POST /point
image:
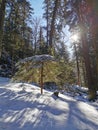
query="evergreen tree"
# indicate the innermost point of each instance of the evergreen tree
(18, 34)
(54, 16)
(79, 16)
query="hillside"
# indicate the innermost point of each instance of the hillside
(22, 107)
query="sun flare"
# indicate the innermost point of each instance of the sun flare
(75, 38)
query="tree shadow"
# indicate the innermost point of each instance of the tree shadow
(25, 110)
(28, 111)
(76, 118)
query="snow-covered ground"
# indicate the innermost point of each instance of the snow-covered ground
(22, 107)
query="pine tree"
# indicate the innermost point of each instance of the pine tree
(18, 34)
(54, 20)
(81, 18)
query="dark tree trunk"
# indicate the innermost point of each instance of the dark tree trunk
(41, 78)
(77, 63)
(52, 28)
(84, 73)
(2, 15)
(85, 50)
(47, 24)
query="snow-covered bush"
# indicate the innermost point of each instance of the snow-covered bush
(29, 69)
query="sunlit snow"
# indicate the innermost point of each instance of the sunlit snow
(22, 107)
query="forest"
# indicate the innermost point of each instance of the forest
(23, 36)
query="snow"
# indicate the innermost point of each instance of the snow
(22, 107)
(38, 58)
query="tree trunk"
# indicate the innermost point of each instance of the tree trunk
(77, 63)
(2, 15)
(84, 73)
(85, 50)
(47, 24)
(41, 78)
(52, 28)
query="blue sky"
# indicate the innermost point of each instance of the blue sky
(37, 5)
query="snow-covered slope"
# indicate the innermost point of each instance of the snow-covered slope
(22, 107)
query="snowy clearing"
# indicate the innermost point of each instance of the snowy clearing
(22, 107)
